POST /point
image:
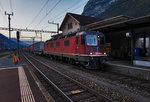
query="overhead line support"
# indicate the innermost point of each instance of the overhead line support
(55, 24)
(27, 30)
(9, 27)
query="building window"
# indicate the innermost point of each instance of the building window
(69, 25)
(51, 44)
(57, 43)
(66, 43)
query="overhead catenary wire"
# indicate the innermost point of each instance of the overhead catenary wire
(48, 13)
(46, 27)
(2, 12)
(10, 3)
(60, 15)
(76, 3)
(2, 7)
(38, 13)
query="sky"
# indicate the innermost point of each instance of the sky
(34, 14)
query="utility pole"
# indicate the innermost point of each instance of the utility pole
(55, 24)
(9, 27)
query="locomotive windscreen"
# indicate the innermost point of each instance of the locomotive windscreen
(91, 40)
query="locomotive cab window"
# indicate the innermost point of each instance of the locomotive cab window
(77, 40)
(91, 40)
(51, 44)
(66, 43)
(82, 39)
(57, 43)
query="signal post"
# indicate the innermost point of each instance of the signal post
(18, 37)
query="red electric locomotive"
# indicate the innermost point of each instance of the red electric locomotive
(86, 48)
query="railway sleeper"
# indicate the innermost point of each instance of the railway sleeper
(90, 99)
(67, 89)
(81, 96)
(66, 85)
(67, 82)
(60, 81)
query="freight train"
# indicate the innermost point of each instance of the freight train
(86, 48)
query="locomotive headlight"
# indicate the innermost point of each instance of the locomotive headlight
(104, 53)
(91, 53)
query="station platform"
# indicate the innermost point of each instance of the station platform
(18, 84)
(126, 68)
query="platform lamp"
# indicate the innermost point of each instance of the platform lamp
(130, 35)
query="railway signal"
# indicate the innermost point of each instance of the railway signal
(18, 35)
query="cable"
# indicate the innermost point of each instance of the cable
(45, 27)
(2, 12)
(59, 17)
(48, 13)
(38, 13)
(10, 3)
(66, 9)
(62, 14)
(2, 6)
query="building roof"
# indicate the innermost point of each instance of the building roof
(134, 23)
(82, 20)
(112, 20)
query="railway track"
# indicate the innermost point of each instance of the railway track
(138, 85)
(4, 54)
(69, 89)
(122, 79)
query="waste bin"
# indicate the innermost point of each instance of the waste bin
(136, 53)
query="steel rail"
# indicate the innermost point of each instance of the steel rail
(49, 81)
(99, 96)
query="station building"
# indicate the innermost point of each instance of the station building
(74, 22)
(127, 38)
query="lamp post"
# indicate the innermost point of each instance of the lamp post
(131, 36)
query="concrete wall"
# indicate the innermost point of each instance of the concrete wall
(75, 26)
(137, 72)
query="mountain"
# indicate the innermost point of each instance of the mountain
(4, 42)
(20, 42)
(110, 8)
